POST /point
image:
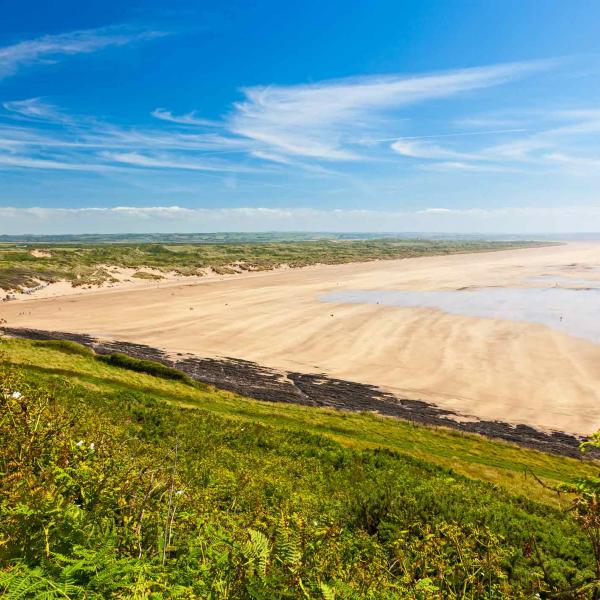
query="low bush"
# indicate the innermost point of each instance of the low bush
(118, 359)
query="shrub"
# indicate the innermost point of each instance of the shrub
(117, 359)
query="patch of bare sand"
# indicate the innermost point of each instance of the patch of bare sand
(494, 369)
(41, 253)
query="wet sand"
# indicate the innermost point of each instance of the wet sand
(491, 368)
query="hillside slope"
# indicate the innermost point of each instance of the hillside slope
(120, 483)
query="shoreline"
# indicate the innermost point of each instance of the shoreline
(168, 279)
(492, 368)
(251, 380)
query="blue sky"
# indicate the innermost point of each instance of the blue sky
(362, 116)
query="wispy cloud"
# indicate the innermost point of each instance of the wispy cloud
(454, 134)
(324, 120)
(438, 158)
(558, 140)
(573, 131)
(578, 164)
(419, 149)
(51, 48)
(466, 167)
(296, 128)
(185, 119)
(292, 162)
(105, 134)
(48, 138)
(35, 108)
(14, 161)
(491, 122)
(271, 157)
(170, 162)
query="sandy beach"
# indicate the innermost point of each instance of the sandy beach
(493, 368)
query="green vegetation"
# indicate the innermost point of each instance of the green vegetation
(117, 483)
(473, 456)
(25, 265)
(585, 508)
(118, 359)
(147, 275)
(144, 366)
(65, 346)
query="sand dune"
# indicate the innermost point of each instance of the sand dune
(495, 369)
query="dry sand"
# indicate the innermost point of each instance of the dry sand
(124, 279)
(494, 369)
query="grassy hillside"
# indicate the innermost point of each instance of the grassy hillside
(24, 265)
(118, 483)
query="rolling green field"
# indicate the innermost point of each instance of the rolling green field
(119, 483)
(24, 265)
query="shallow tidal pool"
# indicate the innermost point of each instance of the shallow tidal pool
(572, 310)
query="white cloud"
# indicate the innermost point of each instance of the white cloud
(110, 136)
(323, 120)
(172, 162)
(298, 128)
(50, 48)
(186, 119)
(545, 149)
(449, 160)
(578, 164)
(489, 121)
(272, 157)
(289, 162)
(453, 134)
(122, 219)
(14, 161)
(466, 167)
(35, 108)
(437, 211)
(417, 149)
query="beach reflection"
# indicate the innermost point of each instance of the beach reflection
(572, 310)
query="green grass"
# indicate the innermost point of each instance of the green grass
(119, 483)
(84, 264)
(147, 275)
(471, 455)
(65, 346)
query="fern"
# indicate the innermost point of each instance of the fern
(22, 582)
(103, 570)
(326, 591)
(256, 552)
(287, 544)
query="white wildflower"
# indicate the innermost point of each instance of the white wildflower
(92, 446)
(16, 395)
(79, 443)
(179, 492)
